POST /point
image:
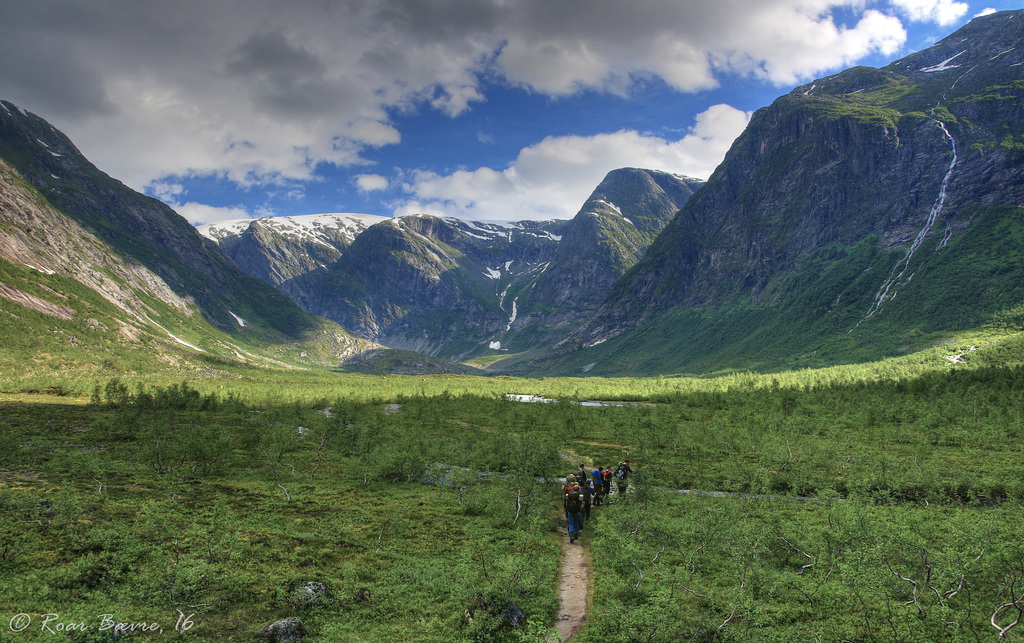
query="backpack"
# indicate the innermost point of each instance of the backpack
(572, 502)
(597, 476)
(620, 473)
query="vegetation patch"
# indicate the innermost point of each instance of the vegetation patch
(826, 504)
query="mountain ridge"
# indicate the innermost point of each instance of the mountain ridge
(66, 219)
(901, 154)
(461, 289)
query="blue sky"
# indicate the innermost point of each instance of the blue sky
(482, 109)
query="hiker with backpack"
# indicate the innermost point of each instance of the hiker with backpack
(621, 474)
(581, 475)
(588, 500)
(598, 479)
(606, 482)
(573, 505)
(570, 480)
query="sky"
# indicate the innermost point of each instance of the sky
(479, 109)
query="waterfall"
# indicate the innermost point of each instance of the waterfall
(933, 216)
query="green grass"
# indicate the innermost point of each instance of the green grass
(120, 509)
(206, 497)
(680, 568)
(138, 492)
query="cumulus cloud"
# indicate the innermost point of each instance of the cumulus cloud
(371, 182)
(943, 12)
(808, 44)
(687, 44)
(550, 180)
(263, 93)
(198, 213)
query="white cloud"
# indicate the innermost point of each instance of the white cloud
(688, 44)
(261, 93)
(371, 182)
(942, 12)
(552, 179)
(167, 191)
(988, 11)
(198, 213)
(799, 46)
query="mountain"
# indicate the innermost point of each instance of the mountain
(454, 288)
(609, 234)
(444, 287)
(277, 250)
(848, 191)
(99, 260)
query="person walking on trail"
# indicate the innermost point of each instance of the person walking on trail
(581, 475)
(570, 480)
(588, 501)
(621, 474)
(573, 505)
(606, 482)
(598, 479)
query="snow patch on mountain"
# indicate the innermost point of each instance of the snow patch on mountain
(944, 65)
(307, 227)
(611, 205)
(512, 318)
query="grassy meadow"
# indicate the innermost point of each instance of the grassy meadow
(874, 502)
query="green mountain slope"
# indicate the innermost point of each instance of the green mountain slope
(129, 272)
(443, 287)
(852, 214)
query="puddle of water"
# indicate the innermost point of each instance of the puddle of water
(514, 397)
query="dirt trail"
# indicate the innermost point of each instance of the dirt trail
(575, 587)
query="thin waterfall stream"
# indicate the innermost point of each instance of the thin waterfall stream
(933, 215)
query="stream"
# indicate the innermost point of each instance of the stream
(933, 215)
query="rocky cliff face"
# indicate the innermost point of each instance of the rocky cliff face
(63, 216)
(37, 235)
(439, 286)
(906, 155)
(611, 232)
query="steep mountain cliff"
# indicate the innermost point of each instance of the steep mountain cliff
(444, 287)
(74, 239)
(611, 232)
(836, 198)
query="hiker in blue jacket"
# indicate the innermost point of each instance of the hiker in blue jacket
(598, 479)
(573, 505)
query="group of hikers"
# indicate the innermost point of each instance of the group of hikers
(583, 491)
